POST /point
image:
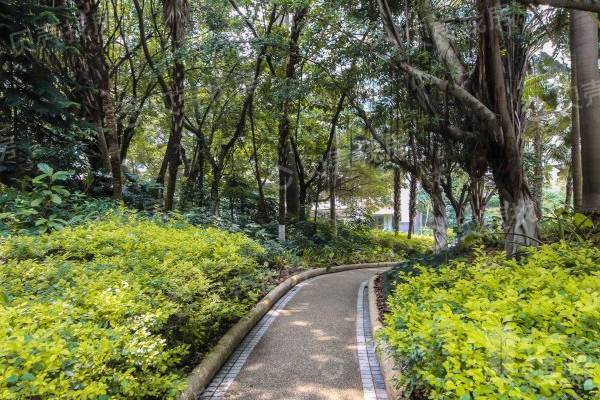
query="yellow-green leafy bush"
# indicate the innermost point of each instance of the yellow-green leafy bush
(117, 309)
(352, 244)
(500, 329)
(400, 243)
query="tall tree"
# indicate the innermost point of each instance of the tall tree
(94, 60)
(287, 175)
(176, 16)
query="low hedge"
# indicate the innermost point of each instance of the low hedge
(500, 329)
(352, 244)
(117, 309)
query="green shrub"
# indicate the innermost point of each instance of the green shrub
(47, 205)
(117, 309)
(500, 329)
(317, 245)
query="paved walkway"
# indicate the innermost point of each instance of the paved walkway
(315, 344)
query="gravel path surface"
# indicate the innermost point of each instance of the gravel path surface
(305, 348)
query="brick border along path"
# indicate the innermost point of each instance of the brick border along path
(315, 344)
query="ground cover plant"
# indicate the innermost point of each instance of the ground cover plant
(494, 328)
(117, 308)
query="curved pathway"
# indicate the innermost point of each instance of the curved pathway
(315, 344)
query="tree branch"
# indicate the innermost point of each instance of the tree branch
(583, 5)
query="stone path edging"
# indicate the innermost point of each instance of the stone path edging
(203, 374)
(370, 372)
(386, 362)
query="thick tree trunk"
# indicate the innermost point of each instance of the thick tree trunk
(585, 53)
(521, 222)
(504, 85)
(439, 223)
(412, 205)
(397, 218)
(175, 14)
(94, 69)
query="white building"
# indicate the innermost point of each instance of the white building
(383, 216)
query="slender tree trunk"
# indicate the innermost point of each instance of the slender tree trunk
(585, 53)
(333, 172)
(397, 200)
(292, 61)
(214, 191)
(576, 174)
(569, 191)
(412, 205)
(262, 204)
(538, 171)
(114, 151)
(477, 201)
(292, 194)
(195, 183)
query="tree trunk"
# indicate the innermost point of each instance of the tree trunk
(95, 69)
(412, 205)
(439, 224)
(576, 174)
(292, 194)
(585, 53)
(477, 201)
(195, 183)
(333, 172)
(538, 171)
(291, 62)
(397, 219)
(113, 143)
(175, 19)
(504, 83)
(521, 221)
(214, 192)
(569, 191)
(262, 204)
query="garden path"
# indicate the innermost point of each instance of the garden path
(315, 344)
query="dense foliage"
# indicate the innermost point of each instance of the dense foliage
(48, 205)
(122, 306)
(112, 309)
(500, 329)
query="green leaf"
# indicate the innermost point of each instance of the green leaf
(11, 380)
(61, 175)
(60, 190)
(589, 385)
(28, 377)
(55, 198)
(582, 221)
(37, 202)
(45, 168)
